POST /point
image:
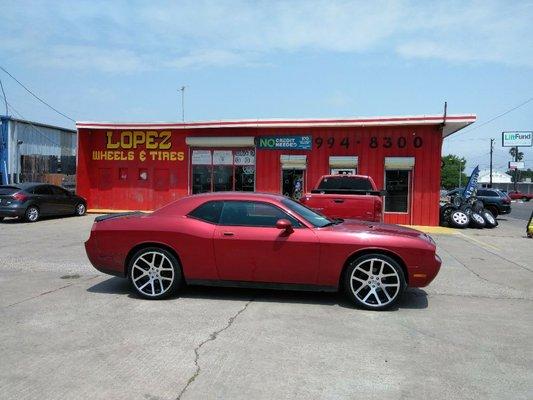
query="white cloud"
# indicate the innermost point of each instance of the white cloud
(126, 36)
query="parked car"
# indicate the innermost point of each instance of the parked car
(346, 196)
(32, 201)
(494, 200)
(520, 196)
(261, 240)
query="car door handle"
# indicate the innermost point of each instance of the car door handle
(338, 200)
(227, 234)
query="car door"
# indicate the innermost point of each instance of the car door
(44, 199)
(249, 247)
(63, 203)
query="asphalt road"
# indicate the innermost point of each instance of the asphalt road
(521, 210)
(69, 332)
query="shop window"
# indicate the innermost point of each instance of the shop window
(143, 174)
(251, 213)
(397, 185)
(343, 171)
(123, 174)
(223, 170)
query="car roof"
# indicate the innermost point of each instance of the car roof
(345, 175)
(24, 185)
(237, 196)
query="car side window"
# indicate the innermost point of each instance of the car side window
(43, 189)
(57, 191)
(253, 213)
(208, 212)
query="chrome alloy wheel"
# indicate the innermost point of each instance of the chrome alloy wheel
(478, 218)
(80, 209)
(32, 214)
(460, 218)
(375, 282)
(152, 273)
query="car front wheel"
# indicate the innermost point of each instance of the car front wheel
(374, 282)
(32, 214)
(154, 273)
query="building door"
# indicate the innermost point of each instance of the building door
(399, 187)
(293, 169)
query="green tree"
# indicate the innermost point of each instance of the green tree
(452, 171)
(513, 151)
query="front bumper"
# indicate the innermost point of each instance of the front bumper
(505, 209)
(424, 275)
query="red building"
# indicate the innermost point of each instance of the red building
(141, 166)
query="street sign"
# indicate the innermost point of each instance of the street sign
(517, 139)
(516, 165)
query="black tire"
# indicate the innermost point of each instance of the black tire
(32, 214)
(524, 199)
(80, 209)
(490, 221)
(1, 219)
(367, 289)
(150, 268)
(477, 220)
(459, 219)
(493, 210)
(445, 214)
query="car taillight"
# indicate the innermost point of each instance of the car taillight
(19, 196)
(378, 208)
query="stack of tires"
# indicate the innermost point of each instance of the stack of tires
(461, 213)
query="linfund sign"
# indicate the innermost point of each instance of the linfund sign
(518, 138)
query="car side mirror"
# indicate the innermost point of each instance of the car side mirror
(284, 224)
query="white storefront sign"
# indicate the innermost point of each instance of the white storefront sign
(518, 138)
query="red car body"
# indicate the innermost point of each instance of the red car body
(520, 196)
(211, 253)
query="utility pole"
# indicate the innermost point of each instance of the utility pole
(491, 150)
(182, 90)
(516, 169)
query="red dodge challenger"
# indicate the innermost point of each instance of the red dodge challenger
(261, 240)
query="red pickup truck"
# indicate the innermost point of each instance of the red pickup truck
(346, 196)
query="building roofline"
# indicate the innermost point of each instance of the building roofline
(451, 124)
(38, 124)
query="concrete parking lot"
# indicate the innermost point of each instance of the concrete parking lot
(69, 332)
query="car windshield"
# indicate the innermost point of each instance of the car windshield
(314, 218)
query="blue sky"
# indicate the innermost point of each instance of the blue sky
(124, 61)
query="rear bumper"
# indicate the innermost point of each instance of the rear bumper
(12, 211)
(102, 264)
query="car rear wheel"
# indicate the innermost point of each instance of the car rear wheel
(525, 198)
(459, 219)
(32, 214)
(80, 209)
(374, 282)
(154, 273)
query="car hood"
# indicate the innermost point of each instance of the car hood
(353, 225)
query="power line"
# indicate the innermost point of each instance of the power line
(37, 97)
(492, 119)
(37, 129)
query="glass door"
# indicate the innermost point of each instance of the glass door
(292, 183)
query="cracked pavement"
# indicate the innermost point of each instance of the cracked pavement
(71, 332)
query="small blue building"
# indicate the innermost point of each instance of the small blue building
(32, 151)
